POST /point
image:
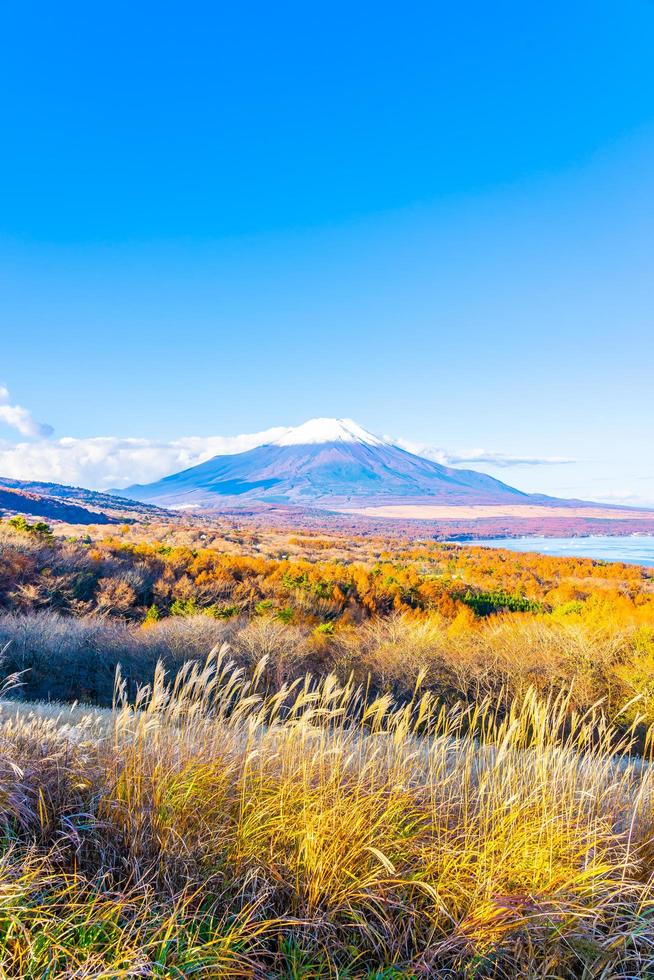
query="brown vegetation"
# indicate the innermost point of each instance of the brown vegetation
(215, 830)
(420, 760)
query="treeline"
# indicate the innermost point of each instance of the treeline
(144, 581)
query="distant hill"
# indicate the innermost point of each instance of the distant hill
(329, 464)
(48, 509)
(73, 505)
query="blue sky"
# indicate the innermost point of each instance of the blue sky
(436, 220)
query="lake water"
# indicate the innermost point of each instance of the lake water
(636, 550)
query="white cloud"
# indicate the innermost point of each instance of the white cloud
(448, 458)
(106, 461)
(625, 498)
(21, 419)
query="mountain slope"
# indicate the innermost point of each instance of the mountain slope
(327, 463)
(14, 501)
(72, 505)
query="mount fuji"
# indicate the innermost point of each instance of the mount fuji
(331, 464)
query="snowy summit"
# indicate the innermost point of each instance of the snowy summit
(317, 431)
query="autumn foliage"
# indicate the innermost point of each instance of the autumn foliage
(469, 622)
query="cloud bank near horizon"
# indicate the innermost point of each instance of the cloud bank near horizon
(448, 458)
(103, 462)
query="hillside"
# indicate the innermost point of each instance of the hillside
(71, 505)
(37, 505)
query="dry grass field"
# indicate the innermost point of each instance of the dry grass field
(212, 829)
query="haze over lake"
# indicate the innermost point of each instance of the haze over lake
(636, 550)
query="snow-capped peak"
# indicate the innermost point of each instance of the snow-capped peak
(326, 430)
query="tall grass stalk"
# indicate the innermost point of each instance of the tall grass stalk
(211, 827)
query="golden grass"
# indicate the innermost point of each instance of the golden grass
(214, 829)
